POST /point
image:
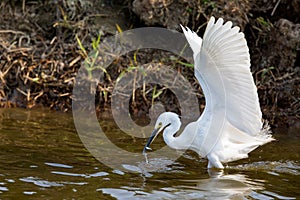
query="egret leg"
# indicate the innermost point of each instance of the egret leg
(213, 161)
(209, 165)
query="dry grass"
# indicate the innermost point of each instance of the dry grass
(40, 55)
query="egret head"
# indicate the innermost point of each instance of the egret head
(165, 120)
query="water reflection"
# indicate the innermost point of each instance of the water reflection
(219, 186)
(222, 186)
(40, 182)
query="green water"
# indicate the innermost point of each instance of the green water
(42, 157)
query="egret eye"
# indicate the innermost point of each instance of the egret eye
(159, 125)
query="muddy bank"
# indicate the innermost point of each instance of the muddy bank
(40, 50)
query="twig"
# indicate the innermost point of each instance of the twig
(28, 94)
(12, 31)
(274, 9)
(20, 49)
(21, 91)
(40, 94)
(74, 61)
(63, 95)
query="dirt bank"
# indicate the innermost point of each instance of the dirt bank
(40, 52)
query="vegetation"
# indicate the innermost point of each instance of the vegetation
(43, 44)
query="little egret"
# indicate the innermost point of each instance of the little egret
(231, 124)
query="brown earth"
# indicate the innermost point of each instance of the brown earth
(40, 54)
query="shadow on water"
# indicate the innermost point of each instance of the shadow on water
(42, 157)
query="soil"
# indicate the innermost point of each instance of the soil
(41, 52)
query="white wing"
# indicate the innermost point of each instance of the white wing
(194, 40)
(223, 69)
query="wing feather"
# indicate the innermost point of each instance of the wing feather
(194, 40)
(222, 66)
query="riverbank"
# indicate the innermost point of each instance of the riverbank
(43, 44)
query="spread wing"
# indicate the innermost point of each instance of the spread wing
(222, 67)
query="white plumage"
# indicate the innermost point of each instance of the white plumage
(231, 125)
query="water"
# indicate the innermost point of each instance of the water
(42, 157)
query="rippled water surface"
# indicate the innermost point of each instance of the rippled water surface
(42, 157)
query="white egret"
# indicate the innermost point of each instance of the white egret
(231, 124)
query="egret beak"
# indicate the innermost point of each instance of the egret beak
(151, 139)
